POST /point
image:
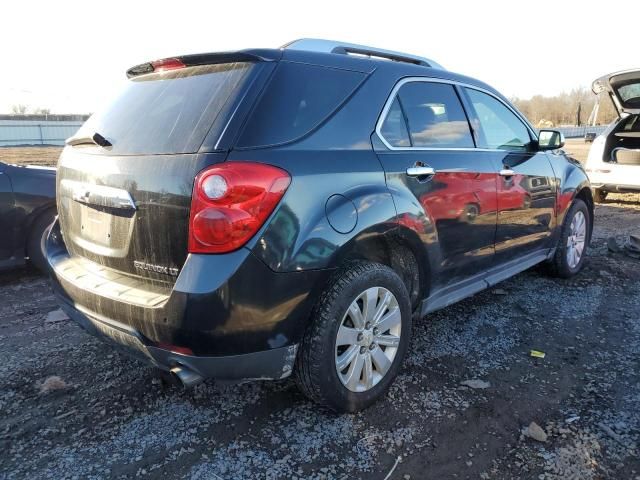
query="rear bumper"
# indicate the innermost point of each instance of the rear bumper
(235, 317)
(271, 364)
(613, 187)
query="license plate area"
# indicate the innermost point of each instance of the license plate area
(95, 226)
(102, 231)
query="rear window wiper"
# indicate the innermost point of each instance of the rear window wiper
(95, 139)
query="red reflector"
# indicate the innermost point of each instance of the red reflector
(230, 202)
(175, 348)
(167, 64)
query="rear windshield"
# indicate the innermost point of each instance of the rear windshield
(297, 100)
(168, 112)
(630, 94)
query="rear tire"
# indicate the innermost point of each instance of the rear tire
(364, 303)
(599, 195)
(35, 242)
(573, 243)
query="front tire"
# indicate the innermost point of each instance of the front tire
(574, 239)
(360, 331)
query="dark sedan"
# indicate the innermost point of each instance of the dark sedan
(27, 208)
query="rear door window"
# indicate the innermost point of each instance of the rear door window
(500, 128)
(298, 99)
(394, 127)
(434, 117)
(168, 112)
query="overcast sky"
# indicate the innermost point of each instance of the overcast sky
(70, 56)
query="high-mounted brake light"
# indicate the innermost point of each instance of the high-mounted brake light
(167, 64)
(156, 66)
(230, 202)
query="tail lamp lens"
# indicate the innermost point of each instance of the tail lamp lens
(230, 202)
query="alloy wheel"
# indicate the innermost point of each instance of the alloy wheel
(576, 239)
(368, 338)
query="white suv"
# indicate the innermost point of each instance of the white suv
(613, 164)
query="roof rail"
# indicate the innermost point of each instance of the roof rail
(331, 46)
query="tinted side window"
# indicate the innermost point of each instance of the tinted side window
(394, 127)
(499, 127)
(298, 98)
(435, 116)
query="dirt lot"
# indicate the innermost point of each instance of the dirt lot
(577, 148)
(42, 156)
(109, 416)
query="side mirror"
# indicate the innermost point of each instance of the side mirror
(550, 140)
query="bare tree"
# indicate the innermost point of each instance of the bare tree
(19, 109)
(42, 111)
(561, 109)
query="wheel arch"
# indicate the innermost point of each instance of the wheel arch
(399, 248)
(586, 196)
(574, 183)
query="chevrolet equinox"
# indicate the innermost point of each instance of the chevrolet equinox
(268, 212)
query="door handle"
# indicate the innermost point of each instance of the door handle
(507, 172)
(420, 171)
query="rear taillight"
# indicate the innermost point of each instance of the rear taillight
(230, 202)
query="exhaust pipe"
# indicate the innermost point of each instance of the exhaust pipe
(186, 377)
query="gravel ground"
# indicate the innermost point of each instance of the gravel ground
(71, 407)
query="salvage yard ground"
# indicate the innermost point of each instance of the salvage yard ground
(40, 156)
(109, 416)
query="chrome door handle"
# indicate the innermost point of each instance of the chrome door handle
(507, 172)
(420, 171)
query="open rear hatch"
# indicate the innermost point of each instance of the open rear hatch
(623, 88)
(125, 179)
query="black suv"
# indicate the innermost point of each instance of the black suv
(253, 214)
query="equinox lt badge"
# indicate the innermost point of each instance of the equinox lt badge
(156, 268)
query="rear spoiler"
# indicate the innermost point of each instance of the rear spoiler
(173, 63)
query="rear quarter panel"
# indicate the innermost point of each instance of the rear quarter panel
(308, 231)
(335, 159)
